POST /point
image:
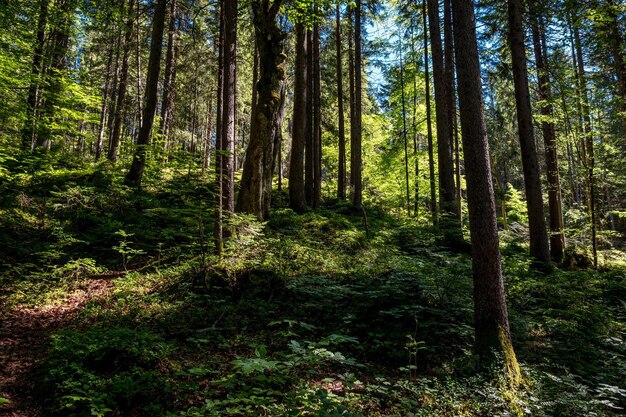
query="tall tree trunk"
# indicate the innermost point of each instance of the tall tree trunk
(341, 174)
(317, 119)
(219, 161)
(135, 173)
(539, 247)
(104, 107)
(557, 238)
(28, 133)
(60, 36)
(357, 197)
(588, 153)
(256, 182)
(351, 88)
(447, 197)
(123, 85)
(404, 135)
(414, 124)
(297, 200)
(448, 65)
(309, 176)
(491, 320)
(169, 79)
(616, 40)
(431, 153)
(138, 63)
(229, 109)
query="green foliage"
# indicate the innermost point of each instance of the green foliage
(101, 370)
(516, 210)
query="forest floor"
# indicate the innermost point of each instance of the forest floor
(113, 304)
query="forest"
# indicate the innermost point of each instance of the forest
(355, 208)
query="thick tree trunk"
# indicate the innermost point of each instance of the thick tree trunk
(341, 174)
(490, 311)
(297, 200)
(135, 173)
(169, 78)
(256, 182)
(431, 153)
(557, 239)
(447, 196)
(28, 133)
(357, 197)
(539, 247)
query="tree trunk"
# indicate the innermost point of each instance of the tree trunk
(50, 94)
(169, 79)
(539, 247)
(357, 197)
(103, 109)
(341, 174)
(309, 161)
(431, 154)
(404, 135)
(491, 320)
(135, 173)
(317, 117)
(557, 239)
(447, 197)
(587, 145)
(448, 65)
(123, 85)
(256, 182)
(351, 87)
(229, 103)
(297, 199)
(28, 133)
(219, 161)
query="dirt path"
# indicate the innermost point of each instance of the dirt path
(24, 337)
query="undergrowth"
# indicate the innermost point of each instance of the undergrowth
(304, 315)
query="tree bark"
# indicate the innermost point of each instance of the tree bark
(448, 65)
(169, 78)
(447, 197)
(490, 311)
(587, 145)
(123, 85)
(50, 94)
(28, 133)
(256, 183)
(431, 154)
(317, 119)
(297, 199)
(341, 174)
(309, 161)
(357, 197)
(229, 103)
(404, 135)
(539, 247)
(135, 173)
(557, 238)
